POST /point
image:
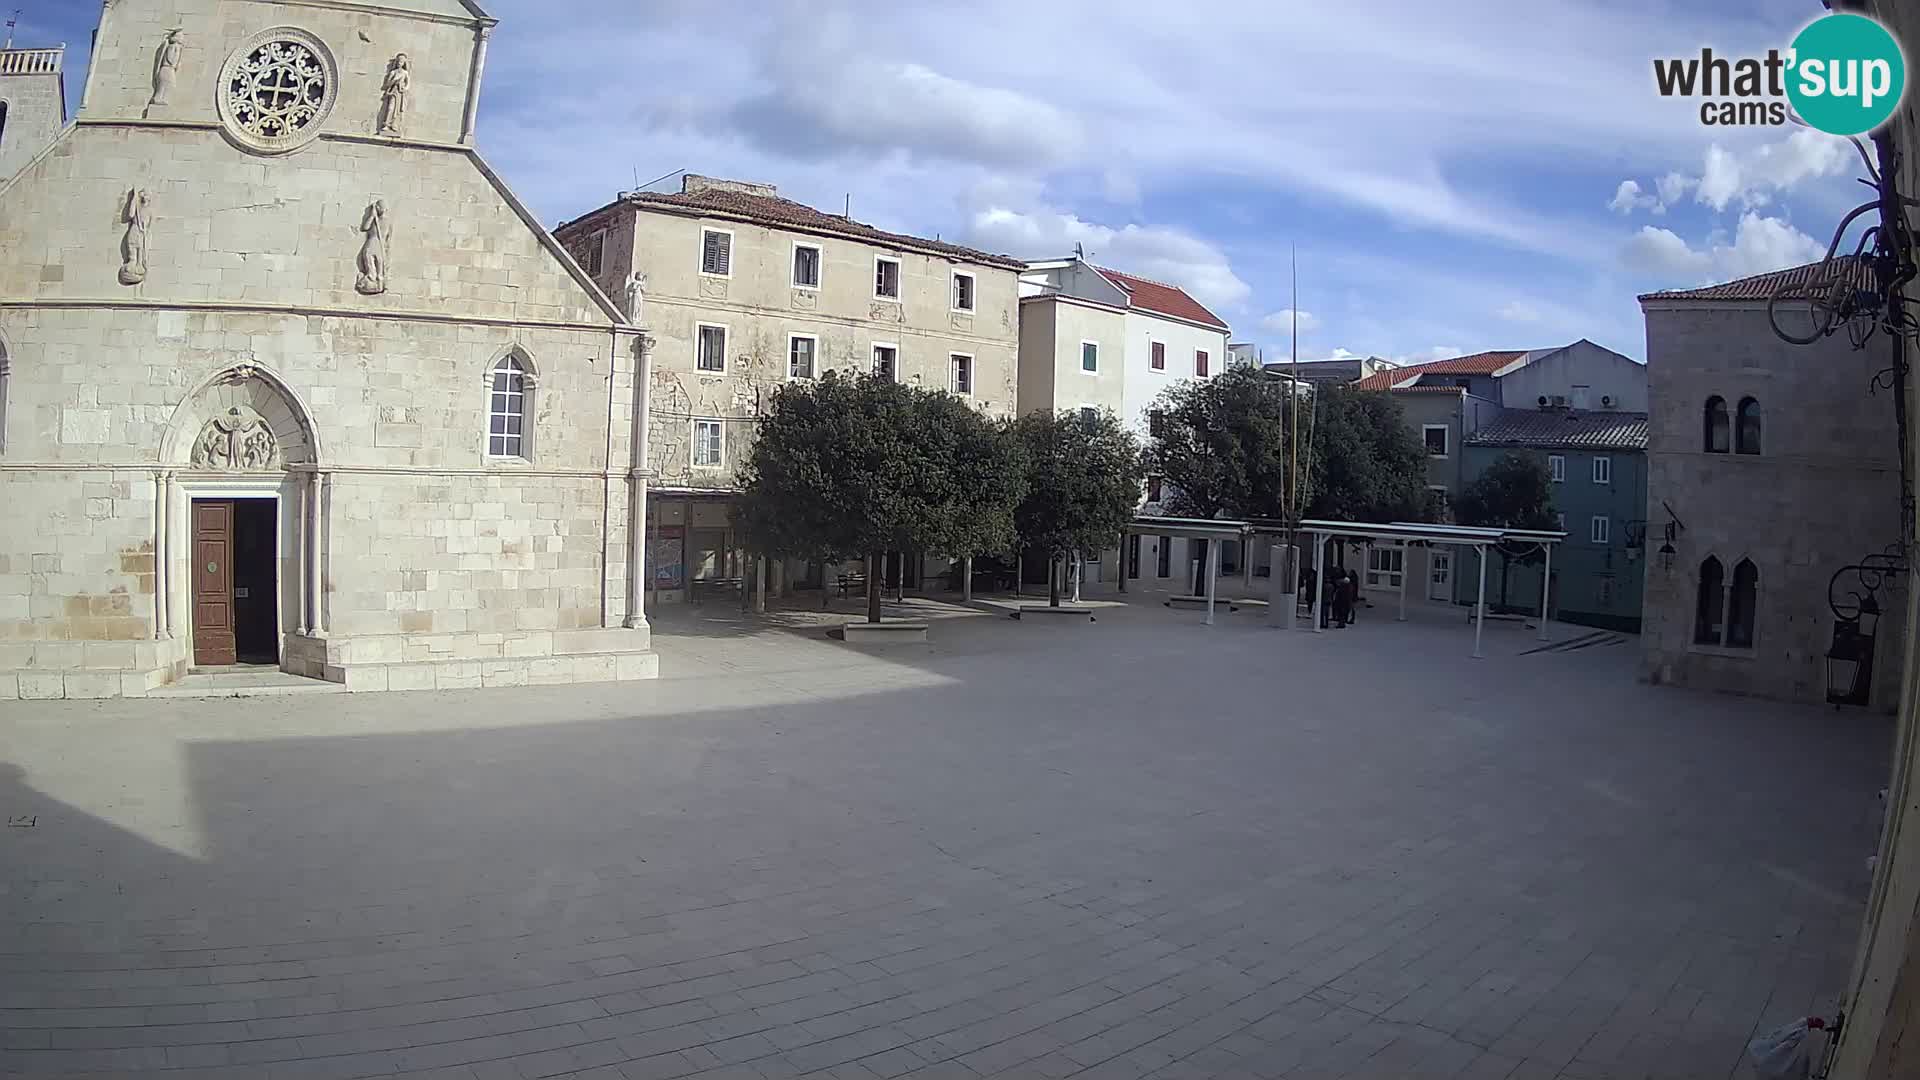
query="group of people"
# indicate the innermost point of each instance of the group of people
(1339, 595)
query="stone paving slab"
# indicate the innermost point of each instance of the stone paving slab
(1146, 849)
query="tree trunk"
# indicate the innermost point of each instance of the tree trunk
(1506, 565)
(1053, 580)
(874, 565)
(1200, 570)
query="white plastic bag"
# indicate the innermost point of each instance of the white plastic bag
(1783, 1053)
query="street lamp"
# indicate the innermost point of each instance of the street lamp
(1850, 657)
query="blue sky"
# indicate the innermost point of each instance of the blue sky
(1455, 177)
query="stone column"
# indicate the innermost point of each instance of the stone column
(317, 572)
(636, 551)
(160, 555)
(304, 489)
(173, 528)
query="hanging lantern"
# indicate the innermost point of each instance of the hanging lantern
(1849, 664)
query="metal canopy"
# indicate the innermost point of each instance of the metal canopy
(1188, 528)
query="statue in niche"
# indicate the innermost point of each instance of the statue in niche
(166, 69)
(240, 440)
(372, 279)
(393, 95)
(636, 295)
(138, 215)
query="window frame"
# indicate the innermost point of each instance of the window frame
(1156, 355)
(951, 370)
(1156, 488)
(973, 292)
(1600, 530)
(873, 348)
(1391, 573)
(1603, 469)
(596, 243)
(1446, 440)
(1557, 468)
(522, 364)
(899, 278)
(1738, 422)
(813, 355)
(1708, 415)
(726, 339)
(819, 266)
(704, 272)
(1201, 367)
(1727, 620)
(1081, 414)
(718, 424)
(1084, 369)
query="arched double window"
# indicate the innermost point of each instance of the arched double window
(3, 123)
(1716, 435)
(509, 407)
(1725, 615)
(1746, 427)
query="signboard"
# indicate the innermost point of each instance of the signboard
(666, 557)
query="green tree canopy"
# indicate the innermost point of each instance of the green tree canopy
(1083, 480)
(859, 466)
(1367, 464)
(1515, 492)
(1221, 444)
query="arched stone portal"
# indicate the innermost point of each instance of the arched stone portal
(241, 526)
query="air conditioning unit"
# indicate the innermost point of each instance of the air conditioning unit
(1543, 401)
(1560, 401)
(1606, 401)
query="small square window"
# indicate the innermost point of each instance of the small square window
(962, 373)
(886, 362)
(591, 253)
(1557, 468)
(1089, 417)
(800, 351)
(1603, 470)
(886, 278)
(1600, 530)
(711, 351)
(1200, 363)
(716, 252)
(806, 266)
(962, 292)
(1435, 436)
(1158, 358)
(709, 443)
(1090, 356)
(1156, 423)
(1154, 489)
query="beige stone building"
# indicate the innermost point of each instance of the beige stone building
(292, 377)
(744, 291)
(33, 104)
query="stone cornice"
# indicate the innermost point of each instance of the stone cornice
(229, 307)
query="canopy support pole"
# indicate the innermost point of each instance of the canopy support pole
(1480, 605)
(1406, 570)
(1546, 588)
(1319, 577)
(1213, 576)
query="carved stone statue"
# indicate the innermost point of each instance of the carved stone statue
(138, 214)
(393, 95)
(636, 295)
(166, 69)
(372, 279)
(238, 440)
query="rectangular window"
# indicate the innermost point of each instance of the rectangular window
(1158, 359)
(1435, 436)
(1090, 356)
(962, 373)
(1557, 468)
(806, 266)
(962, 291)
(591, 254)
(1600, 530)
(711, 351)
(800, 351)
(716, 252)
(1200, 363)
(886, 278)
(1603, 470)
(1164, 561)
(886, 362)
(709, 443)
(1154, 489)
(1385, 566)
(1156, 423)
(1089, 417)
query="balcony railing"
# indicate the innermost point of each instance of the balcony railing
(31, 61)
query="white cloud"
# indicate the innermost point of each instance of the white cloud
(1627, 198)
(1160, 252)
(1282, 321)
(1754, 176)
(1520, 311)
(1673, 187)
(1760, 244)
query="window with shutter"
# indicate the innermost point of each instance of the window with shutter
(712, 352)
(886, 278)
(1200, 363)
(716, 253)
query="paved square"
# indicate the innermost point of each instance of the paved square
(1136, 848)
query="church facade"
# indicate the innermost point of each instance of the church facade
(288, 376)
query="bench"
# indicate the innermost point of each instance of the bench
(849, 583)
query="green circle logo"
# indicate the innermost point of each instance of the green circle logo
(1847, 74)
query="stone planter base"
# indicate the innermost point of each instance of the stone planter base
(1068, 611)
(883, 633)
(1201, 601)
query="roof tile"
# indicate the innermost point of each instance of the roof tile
(785, 213)
(1555, 428)
(1481, 363)
(1164, 299)
(1857, 270)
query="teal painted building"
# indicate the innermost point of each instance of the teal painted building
(1598, 461)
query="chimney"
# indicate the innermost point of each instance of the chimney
(694, 184)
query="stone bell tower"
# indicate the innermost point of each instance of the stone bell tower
(33, 104)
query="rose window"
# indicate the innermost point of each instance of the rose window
(277, 89)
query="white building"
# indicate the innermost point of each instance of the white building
(1091, 337)
(288, 376)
